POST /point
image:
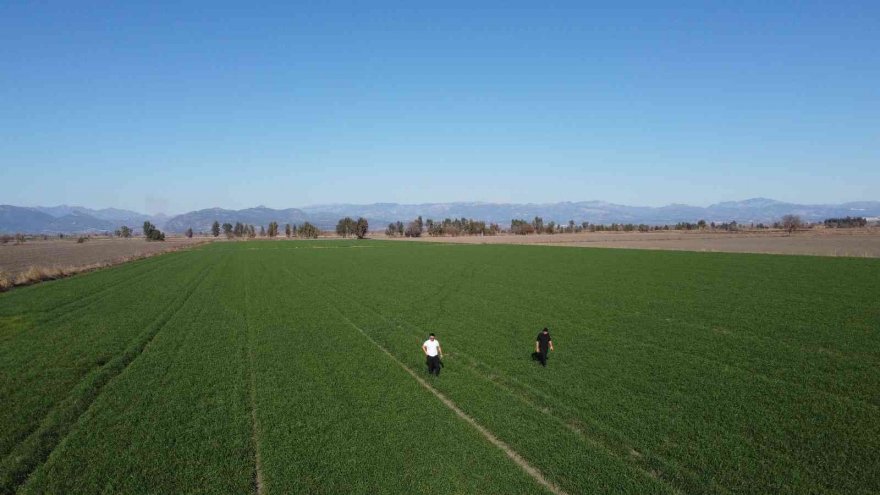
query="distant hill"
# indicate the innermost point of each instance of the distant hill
(201, 220)
(71, 219)
(113, 215)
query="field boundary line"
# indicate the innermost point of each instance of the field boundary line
(488, 435)
(55, 427)
(259, 485)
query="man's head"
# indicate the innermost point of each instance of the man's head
(545, 330)
(431, 336)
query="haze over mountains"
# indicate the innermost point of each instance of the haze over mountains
(73, 219)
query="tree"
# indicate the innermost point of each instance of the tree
(273, 229)
(124, 232)
(538, 224)
(308, 231)
(189, 232)
(227, 229)
(414, 229)
(361, 228)
(391, 231)
(345, 227)
(522, 227)
(262, 231)
(152, 233)
(791, 223)
(287, 230)
(701, 224)
(215, 228)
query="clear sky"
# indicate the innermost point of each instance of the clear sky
(161, 107)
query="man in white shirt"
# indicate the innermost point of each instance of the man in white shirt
(434, 352)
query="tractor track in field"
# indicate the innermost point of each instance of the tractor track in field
(259, 484)
(58, 312)
(32, 452)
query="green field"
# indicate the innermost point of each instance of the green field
(282, 367)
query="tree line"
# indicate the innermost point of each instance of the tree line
(518, 226)
(446, 227)
(247, 231)
(845, 222)
(347, 227)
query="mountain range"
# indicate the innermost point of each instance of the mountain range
(75, 219)
(69, 219)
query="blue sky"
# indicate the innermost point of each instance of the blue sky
(162, 107)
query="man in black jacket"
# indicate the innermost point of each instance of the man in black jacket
(543, 344)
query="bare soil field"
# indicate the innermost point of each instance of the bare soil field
(818, 242)
(67, 253)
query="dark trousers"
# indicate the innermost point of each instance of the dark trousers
(434, 365)
(542, 356)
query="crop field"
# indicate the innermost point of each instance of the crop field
(295, 367)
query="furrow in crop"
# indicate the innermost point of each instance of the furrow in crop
(38, 446)
(80, 304)
(178, 419)
(53, 358)
(259, 485)
(125, 279)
